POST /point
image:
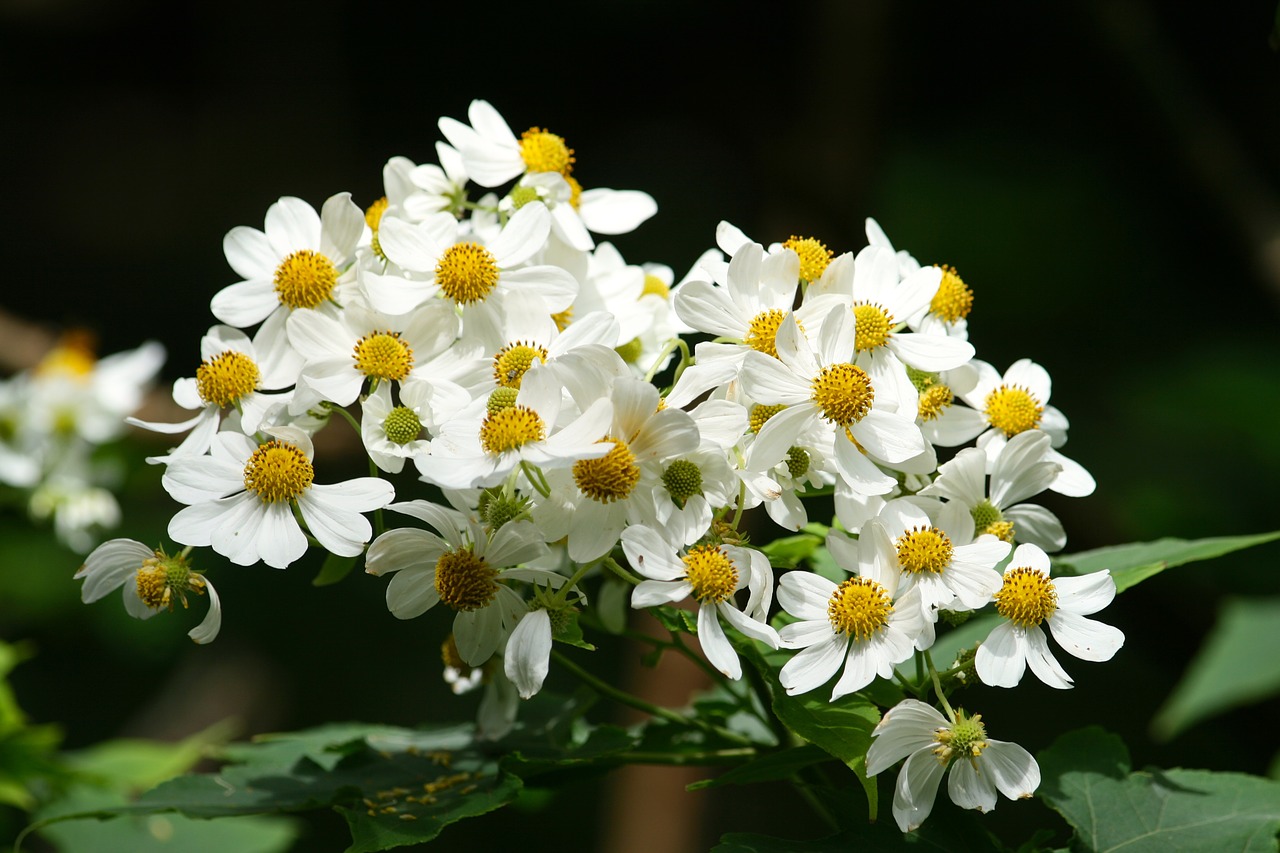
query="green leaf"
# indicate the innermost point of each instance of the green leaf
(334, 569)
(675, 619)
(611, 605)
(789, 551)
(947, 830)
(1087, 780)
(571, 633)
(1236, 665)
(842, 728)
(1133, 563)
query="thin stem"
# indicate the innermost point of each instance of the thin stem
(536, 479)
(711, 756)
(355, 425)
(612, 565)
(563, 592)
(742, 500)
(937, 687)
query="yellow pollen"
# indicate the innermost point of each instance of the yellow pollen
(465, 581)
(562, 319)
(451, 657)
(760, 415)
(954, 299)
(762, 336)
(610, 478)
(164, 581)
(225, 379)
(509, 428)
(934, 400)
(73, 357)
(575, 191)
(467, 273)
(1002, 530)
(873, 326)
(655, 286)
(859, 608)
(1012, 409)
(711, 574)
(844, 394)
(1027, 597)
(278, 471)
(924, 549)
(814, 256)
(305, 279)
(383, 355)
(514, 360)
(373, 215)
(543, 151)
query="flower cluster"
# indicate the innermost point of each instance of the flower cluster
(52, 420)
(540, 387)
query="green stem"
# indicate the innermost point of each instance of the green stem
(612, 565)
(536, 479)
(355, 425)
(563, 592)
(685, 360)
(712, 756)
(937, 687)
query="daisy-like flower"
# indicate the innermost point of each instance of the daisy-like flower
(463, 567)
(492, 154)
(392, 433)
(593, 501)
(1017, 402)
(241, 499)
(822, 386)
(343, 353)
(932, 744)
(295, 264)
(948, 311)
(476, 278)
(710, 574)
(1028, 598)
(951, 572)
(1021, 470)
(860, 625)
(150, 581)
(229, 377)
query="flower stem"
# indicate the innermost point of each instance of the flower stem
(937, 687)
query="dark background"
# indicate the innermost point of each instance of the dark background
(1104, 175)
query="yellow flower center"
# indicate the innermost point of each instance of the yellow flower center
(373, 218)
(72, 358)
(305, 279)
(543, 151)
(1027, 597)
(1002, 530)
(575, 191)
(859, 608)
(465, 581)
(924, 549)
(383, 355)
(467, 273)
(965, 738)
(954, 299)
(224, 379)
(934, 400)
(711, 574)
(1012, 409)
(513, 361)
(873, 325)
(760, 415)
(762, 335)
(451, 657)
(610, 478)
(164, 581)
(814, 256)
(562, 319)
(655, 286)
(278, 471)
(844, 394)
(510, 427)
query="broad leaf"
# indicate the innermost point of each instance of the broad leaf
(1133, 563)
(334, 569)
(771, 767)
(1087, 780)
(1236, 665)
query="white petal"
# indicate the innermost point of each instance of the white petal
(915, 789)
(528, 654)
(715, 645)
(607, 211)
(109, 565)
(412, 593)
(1001, 658)
(1013, 769)
(1087, 593)
(1043, 663)
(969, 788)
(814, 666)
(207, 630)
(1085, 638)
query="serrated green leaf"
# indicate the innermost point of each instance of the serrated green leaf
(1087, 780)
(571, 633)
(675, 619)
(334, 569)
(1133, 563)
(1237, 664)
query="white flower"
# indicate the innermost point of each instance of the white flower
(1022, 469)
(931, 744)
(463, 567)
(1029, 598)
(821, 386)
(242, 496)
(150, 582)
(527, 659)
(1018, 402)
(296, 264)
(710, 574)
(860, 625)
(392, 434)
